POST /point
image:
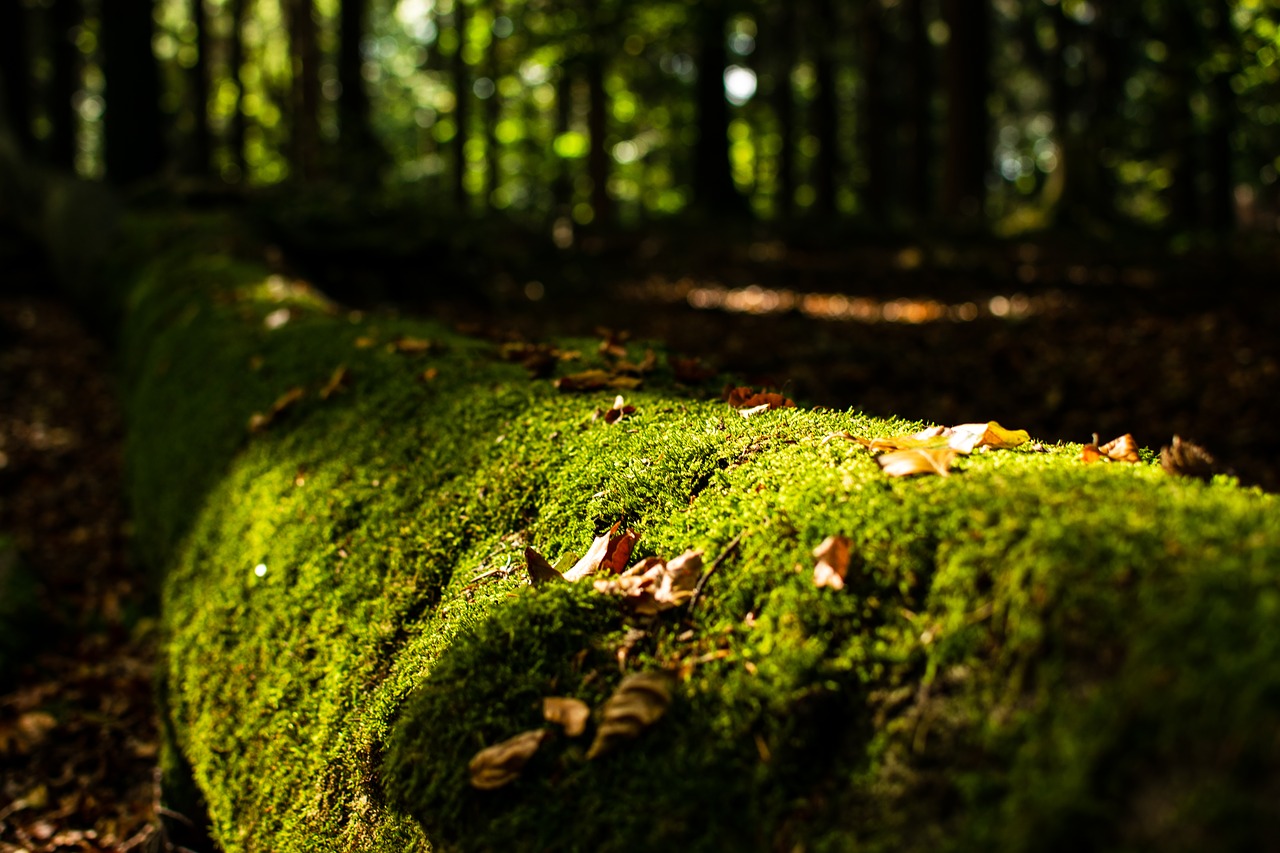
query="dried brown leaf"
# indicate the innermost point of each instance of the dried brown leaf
(833, 562)
(638, 703)
(413, 346)
(340, 379)
(594, 557)
(1188, 459)
(500, 764)
(596, 379)
(904, 463)
(618, 411)
(570, 714)
(744, 397)
(540, 571)
(261, 420)
(1122, 449)
(690, 371)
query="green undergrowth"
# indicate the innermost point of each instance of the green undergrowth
(1029, 654)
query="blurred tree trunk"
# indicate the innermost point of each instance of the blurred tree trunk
(825, 107)
(304, 51)
(1185, 53)
(65, 16)
(235, 59)
(875, 122)
(918, 132)
(968, 84)
(598, 153)
(361, 155)
(784, 104)
(201, 145)
(493, 112)
(133, 132)
(15, 72)
(461, 113)
(713, 188)
(562, 184)
(1220, 207)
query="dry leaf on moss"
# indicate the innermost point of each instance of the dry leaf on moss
(259, 421)
(500, 764)
(689, 371)
(904, 463)
(618, 411)
(654, 585)
(594, 380)
(744, 397)
(1188, 459)
(965, 437)
(645, 365)
(338, 381)
(638, 703)
(609, 550)
(1122, 449)
(413, 346)
(540, 571)
(833, 562)
(569, 714)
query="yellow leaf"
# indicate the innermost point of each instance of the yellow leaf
(904, 463)
(570, 714)
(500, 764)
(638, 703)
(966, 437)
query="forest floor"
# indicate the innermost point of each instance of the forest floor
(1035, 337)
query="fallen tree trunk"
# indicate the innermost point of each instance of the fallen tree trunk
(1029, 654)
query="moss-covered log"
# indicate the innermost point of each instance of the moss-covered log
(1029, 654)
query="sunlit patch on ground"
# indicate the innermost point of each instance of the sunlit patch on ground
(755, 299)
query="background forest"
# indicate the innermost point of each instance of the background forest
(1006, 115)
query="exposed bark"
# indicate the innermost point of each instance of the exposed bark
(967, 86)
(133, 134)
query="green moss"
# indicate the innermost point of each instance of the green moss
(1028, 652)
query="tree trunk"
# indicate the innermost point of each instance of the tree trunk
(493, 114)
(15, 72)
(65, 16)
(461, 110)
(784, 105)
(305, 56)
(201, 143)
(355, 134)
(562, 183)
(133, 132)
(1220, 206)
(597, 125)
(235, 59)
(1185, 53)
(713, 188)
(876, 124)
(967, 86)
(918, 133)
(826, 110)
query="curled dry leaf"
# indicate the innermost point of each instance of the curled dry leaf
(833, 562)
(638, 703)
(634, 368)
(618, 411)
(500, 764)
(965, 437)
(594, 380)
(744, 397)
(904, 463)
(1188, 459)
(609, 550)
(540, 571)
(654, 585)
(1122, 449)
(569, 714)
(340, 379)
(539, 359)
(259, 421)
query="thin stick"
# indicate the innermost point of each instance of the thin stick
(702, 581)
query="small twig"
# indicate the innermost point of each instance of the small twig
(715, 564)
